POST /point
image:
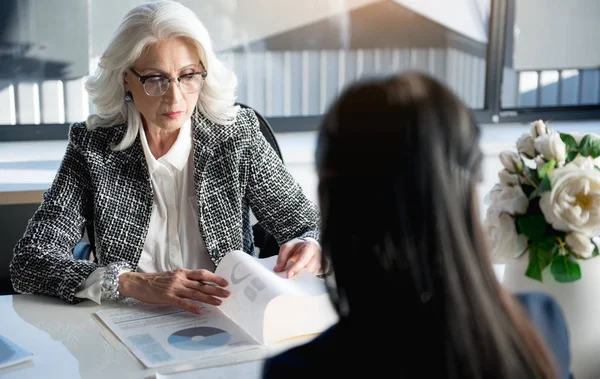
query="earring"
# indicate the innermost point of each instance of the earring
(128, 97)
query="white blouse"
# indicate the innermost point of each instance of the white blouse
(173, 240)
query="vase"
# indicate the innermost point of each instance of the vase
(580, 303)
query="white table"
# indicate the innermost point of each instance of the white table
(67, 342)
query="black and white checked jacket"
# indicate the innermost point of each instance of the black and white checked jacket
(235, 169)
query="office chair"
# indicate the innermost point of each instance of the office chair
(266, 130)
(263, 240)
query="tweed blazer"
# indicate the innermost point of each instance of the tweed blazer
(236, 171)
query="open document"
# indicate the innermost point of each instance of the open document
(264, 308)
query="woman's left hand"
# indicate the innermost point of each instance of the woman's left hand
(302, 253)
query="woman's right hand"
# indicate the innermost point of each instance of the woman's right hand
(174, 288)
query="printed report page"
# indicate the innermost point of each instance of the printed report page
(159, 335)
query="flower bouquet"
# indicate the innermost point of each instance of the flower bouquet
(547, 203)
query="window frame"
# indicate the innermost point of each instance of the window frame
(500, 50)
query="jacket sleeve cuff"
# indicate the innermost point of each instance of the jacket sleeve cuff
(91, 288)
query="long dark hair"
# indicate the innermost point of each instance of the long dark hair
(398, 160)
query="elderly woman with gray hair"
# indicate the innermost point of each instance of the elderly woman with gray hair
(166, 174)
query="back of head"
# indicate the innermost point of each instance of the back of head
(398, 162)
(142, 26)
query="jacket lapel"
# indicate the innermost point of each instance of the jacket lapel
(129, 167)
(203, 152)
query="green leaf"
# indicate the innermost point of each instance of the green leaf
(595, 253)
(572, 148)
(547, 169)
(565, 269)
(540, 256)
(571, 155)
(544, 186)
(550, 243)
(590, 146)
(532, 226)
(531, 174)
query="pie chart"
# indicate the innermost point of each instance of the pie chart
(199, 338)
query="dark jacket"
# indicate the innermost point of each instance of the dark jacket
(340, 350)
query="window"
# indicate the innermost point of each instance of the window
(292, 57)
(551, 67)
(43, 56)
(298, 66)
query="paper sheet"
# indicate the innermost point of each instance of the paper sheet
(160, 335)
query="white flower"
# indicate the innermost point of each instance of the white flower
(504, 241)
(512, 162)
(551, 146)
(506, 199)
(492, 195)
(507, 179)
(539, 161)
(538, 128)
(573, 203)
(580, 244)
(525, 145)
(584, 163)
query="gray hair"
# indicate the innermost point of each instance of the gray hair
(141, 27)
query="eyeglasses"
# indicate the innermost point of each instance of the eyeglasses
(158, 85)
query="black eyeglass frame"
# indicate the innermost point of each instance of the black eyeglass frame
(143, 78)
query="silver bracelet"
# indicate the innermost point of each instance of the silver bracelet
(110, 280)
